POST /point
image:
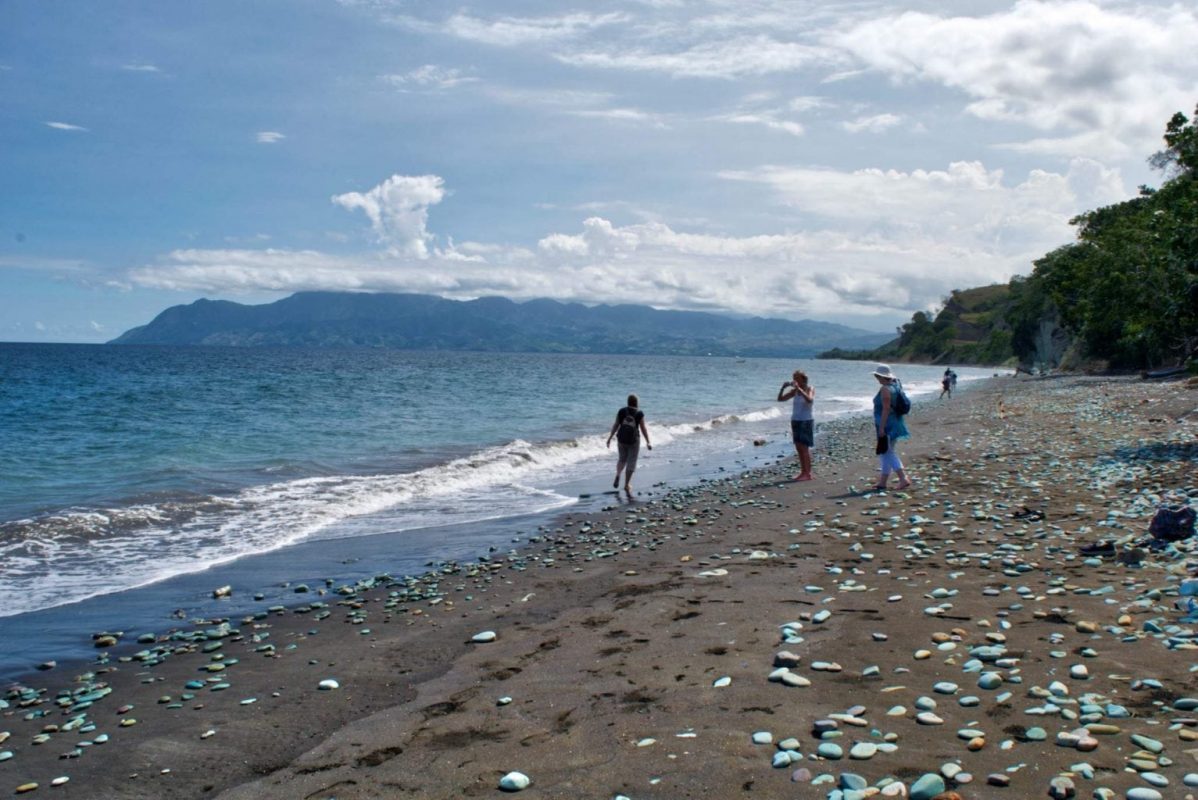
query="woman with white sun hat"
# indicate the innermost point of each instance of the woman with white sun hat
(889, 427)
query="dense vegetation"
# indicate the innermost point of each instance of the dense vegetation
(1125, 294)
(971, 328)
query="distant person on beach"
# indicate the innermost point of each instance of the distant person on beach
(889, 427)
(628, 427)
(946, 384)
(802, 420)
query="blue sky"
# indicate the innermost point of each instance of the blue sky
(847, 161)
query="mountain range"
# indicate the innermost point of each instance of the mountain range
(426, 322)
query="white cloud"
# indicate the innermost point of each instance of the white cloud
(97, 327)
(807, 103)
(39, 325)
(512, 31)
(1102, 76)
(632, 115)
(140, 68)
(966, 195)
(557, 99)
(876, 243)
(65, 126)
(872, 124)
(763, 118)
(269, 137)
(429, 76)
(398, 210)
(734, 58)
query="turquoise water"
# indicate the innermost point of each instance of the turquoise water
(123, 466)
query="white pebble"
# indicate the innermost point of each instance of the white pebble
(514, 782)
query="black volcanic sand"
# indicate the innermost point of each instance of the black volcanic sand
(636, 649)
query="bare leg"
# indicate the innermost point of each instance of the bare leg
(904, 482)
(804, 462)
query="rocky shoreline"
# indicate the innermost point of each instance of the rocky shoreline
(747, 635)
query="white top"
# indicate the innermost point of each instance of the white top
(801, 410)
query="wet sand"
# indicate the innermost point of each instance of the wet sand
(669, 648)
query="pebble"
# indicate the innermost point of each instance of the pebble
(1035, 734)
(1152, 745)
(482, 638)
(785, 658)
(720, 683)
(789, 678)
(927, 787)
(1143, 793)
(830, 750)
(928, 718)
(328, 684)
(989, 680)
(514, 782)
(863, 751)
(1061, 788)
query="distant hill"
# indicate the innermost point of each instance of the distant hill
(424, 322)
(971, 328)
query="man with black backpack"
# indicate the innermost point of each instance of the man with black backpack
(628, 427)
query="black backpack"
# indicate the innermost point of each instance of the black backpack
(899, 400)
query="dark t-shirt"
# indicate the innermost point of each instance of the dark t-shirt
(628, 422)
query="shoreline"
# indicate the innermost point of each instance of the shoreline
(164, 606)
(607, 635)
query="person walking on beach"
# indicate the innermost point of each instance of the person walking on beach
(628, 427)
(889, 427)
(948, 383)
(802, 420)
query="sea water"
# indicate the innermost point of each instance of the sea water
(125, 466)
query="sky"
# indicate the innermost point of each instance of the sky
(843, 161)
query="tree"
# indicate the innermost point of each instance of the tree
(1181, 151)
(1129, 286)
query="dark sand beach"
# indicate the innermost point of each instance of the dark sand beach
(670, 647)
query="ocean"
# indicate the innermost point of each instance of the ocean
(126, 469)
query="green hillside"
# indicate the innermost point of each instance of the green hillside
(971, 328)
